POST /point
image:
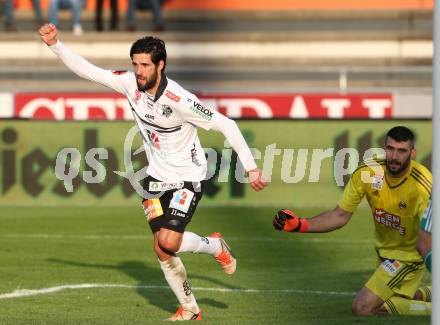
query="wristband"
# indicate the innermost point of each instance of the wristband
(428, 260)
(303, 225)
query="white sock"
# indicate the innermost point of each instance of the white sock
(194, 243)
(175, 274)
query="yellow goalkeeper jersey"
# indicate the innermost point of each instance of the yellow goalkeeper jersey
(397, 206)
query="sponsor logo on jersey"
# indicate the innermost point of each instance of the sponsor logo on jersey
(152, 208)
(172, 96)
(164, 186)
(389, 220)
(154, 139)
(391, 266)
(151, 117)
(182, 200)
(377, 182)
(119, 72)
(201, 110)
(137, 96)
(166, 111)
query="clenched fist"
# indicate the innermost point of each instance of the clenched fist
(48, 34)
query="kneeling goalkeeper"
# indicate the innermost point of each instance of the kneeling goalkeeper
(397, 189)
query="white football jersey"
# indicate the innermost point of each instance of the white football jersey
(168, 122)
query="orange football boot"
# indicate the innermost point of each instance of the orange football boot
(182, 314)
(225, 257)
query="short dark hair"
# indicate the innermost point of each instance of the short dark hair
(150, 45)
(401, 134)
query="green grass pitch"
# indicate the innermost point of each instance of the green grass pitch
(281, 278)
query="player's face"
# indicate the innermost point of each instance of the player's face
(145, 70)
(398, 155)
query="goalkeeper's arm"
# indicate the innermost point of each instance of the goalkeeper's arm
(286, 220)
(424, 246)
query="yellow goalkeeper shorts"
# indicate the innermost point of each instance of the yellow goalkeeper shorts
(393, 277)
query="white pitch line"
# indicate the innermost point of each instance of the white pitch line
(143, 237)
(20, 293)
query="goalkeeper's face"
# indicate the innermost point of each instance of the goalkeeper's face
(146, 71)
(398, 156)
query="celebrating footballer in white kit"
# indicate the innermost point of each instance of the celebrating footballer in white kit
(168, 116)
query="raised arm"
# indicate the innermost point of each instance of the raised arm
(83, 68)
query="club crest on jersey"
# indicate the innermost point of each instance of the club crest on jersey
(377, 183)
(166, 111)
(154, 139)
(402, 205)
(182, 200)
(172, 96)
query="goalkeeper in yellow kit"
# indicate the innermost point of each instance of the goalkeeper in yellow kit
(397, 189)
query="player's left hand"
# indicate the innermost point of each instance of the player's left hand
(257, 180)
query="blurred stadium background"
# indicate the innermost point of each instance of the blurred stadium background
(300, 74)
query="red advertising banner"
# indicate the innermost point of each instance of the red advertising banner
(302, 106)
(72, 106)
(110, 106)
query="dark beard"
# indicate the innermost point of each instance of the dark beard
(401, 169)
(150, 83)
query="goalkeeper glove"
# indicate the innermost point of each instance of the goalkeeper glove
(288, 221)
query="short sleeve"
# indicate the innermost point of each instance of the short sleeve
(353, 193)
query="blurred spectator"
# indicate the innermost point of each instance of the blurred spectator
(9, 20)
(75, 5)
(114, 15)
(155, 6)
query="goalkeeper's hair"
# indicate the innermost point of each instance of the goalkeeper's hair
(401, 134)
(150, 45)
